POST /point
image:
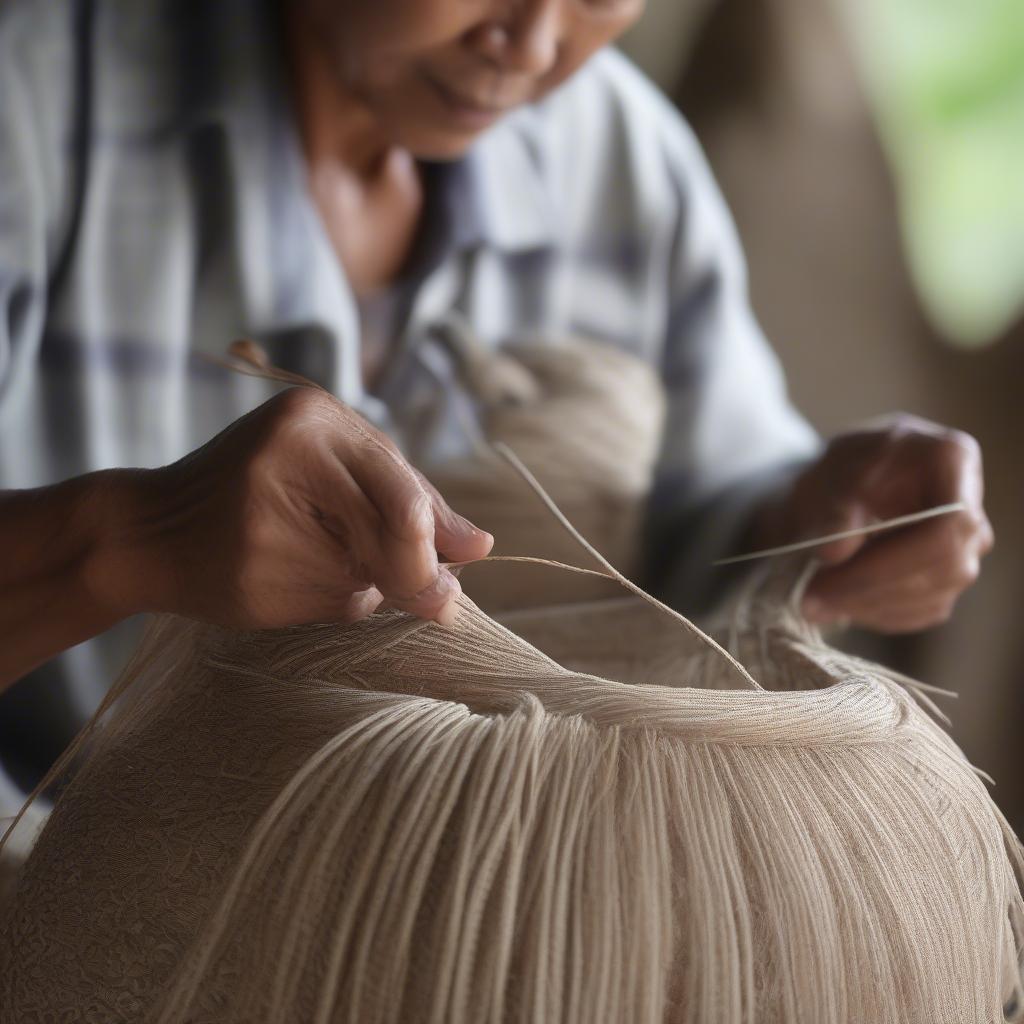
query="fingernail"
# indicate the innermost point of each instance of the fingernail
(486, 538)
(449, 614)
(462, 523)
(469, 528)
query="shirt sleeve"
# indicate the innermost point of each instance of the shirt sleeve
(731, 435)
(34, 104)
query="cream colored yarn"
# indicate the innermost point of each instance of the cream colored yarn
(585, 815)
(586, 418)
(397, 822)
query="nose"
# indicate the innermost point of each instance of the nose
(526, 40)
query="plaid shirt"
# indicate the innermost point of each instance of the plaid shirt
(153, 205)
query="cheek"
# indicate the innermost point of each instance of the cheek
(392, 27)
(589, 30)
(608, 19)
(377, 45)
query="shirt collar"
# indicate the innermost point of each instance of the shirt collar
(514, 200)
(496, 195)
(493, 197)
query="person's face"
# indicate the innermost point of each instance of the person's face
(436, 73)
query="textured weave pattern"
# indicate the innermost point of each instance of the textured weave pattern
(397, 822)
(569, 818)
(587, 419)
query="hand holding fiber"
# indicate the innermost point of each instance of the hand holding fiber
(903, 580)
(302, 512)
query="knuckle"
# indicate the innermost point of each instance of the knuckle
(967, 536)
(986, 536)
(866, 442)
(298, 413)
(975, 522)
(966, 572)
(899, 429)
(954, 531)
(902, 424)
(966, 443)
(957, 449)
(303, 402)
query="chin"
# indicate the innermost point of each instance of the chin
(427, 133)
(439, 146)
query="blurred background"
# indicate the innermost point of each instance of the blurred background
(872, 152)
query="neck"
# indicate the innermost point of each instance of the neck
(335, 125)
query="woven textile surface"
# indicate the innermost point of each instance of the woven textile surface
(398, 822)
(582, 814)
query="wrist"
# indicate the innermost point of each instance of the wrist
(124, 573)
(78, 559)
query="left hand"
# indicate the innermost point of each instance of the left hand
(900, 581)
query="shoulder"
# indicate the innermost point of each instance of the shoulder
(37, 100)
(29, 21)
(36, 41)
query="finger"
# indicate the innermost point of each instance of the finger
(905, 467)
(839, 492)
(400, 550)
(932, 557)
(360, 605)
(439, 601)
(905, 619)
(896, 602)
(379, 514)
(368, 499)
(957, 472)
(455, 537)
(962, 479)
(851, 516)
(986, 536)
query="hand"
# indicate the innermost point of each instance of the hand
(298, 512)
(900, 581)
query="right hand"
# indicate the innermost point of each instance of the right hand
(299, 512)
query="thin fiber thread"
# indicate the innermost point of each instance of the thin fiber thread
(587, 419)
(397, 822)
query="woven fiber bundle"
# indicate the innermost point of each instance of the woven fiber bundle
(588, 814)
(586, 418)
(400, 822)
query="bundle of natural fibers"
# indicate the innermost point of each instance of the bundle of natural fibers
(586, 417)
(400, 822)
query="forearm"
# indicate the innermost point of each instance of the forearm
(72, 565)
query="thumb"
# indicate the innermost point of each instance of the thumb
(455, 537)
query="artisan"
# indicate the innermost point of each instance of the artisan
(330, 178)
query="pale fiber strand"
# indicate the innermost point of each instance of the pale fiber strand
(506, 452)
(858, 531)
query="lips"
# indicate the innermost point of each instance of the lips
(468, 107)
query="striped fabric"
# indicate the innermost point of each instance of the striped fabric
(153, 206)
